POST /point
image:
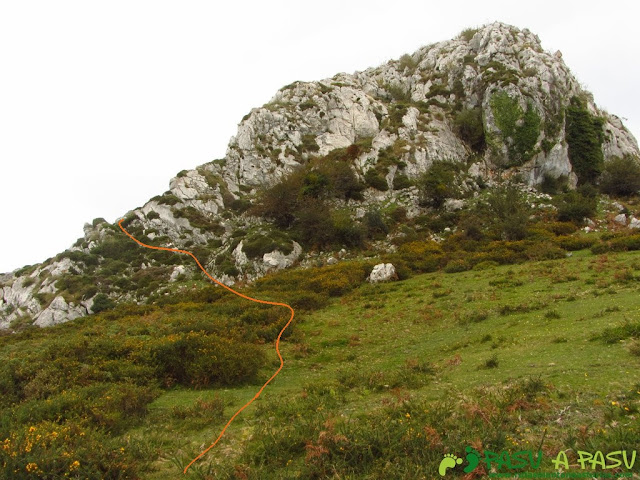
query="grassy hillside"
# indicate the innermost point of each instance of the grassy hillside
(386, 380)
(380, 381)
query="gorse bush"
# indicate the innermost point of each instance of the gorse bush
(199, 360)
(50, 450)
(617, 243)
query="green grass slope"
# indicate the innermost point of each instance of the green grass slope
(380, 381)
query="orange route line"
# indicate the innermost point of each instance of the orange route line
(176, 250)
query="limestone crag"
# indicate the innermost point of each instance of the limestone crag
(491, 100)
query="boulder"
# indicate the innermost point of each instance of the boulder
(279, 260)
(621, 219)
(383, 272)
(177, 271)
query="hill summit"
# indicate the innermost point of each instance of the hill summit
(322, 159)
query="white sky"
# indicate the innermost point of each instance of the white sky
(101, 103)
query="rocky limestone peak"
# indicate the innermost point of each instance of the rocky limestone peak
(490, 100)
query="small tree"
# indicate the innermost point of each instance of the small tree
(584, 138)
(438, 184)
(507, 212)
(621, 176)
(576, 205)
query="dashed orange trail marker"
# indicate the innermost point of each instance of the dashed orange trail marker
(176, 250)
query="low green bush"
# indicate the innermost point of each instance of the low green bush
(199, 360)
(101, 303)
(48, 450)
(575, 206)
(621, 332)
(619, 243)
(401, 181)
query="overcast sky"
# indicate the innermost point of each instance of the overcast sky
(101, 103)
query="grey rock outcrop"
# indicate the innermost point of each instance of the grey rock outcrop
(383, 272)
(59, 311)
(621, 219)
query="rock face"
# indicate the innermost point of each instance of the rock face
(491, 101)
(58, 311)
(383, 272)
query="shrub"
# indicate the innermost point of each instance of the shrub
(573, 243)
(470, 126)
(421, 256)
(396, 110)
(313, 224)
(375, 180)
(375, 224)
(621, 176)
(507, 212)
(101, 303)
(561, 228)
(315, 184)
(553, 185)
(438, 184)
(456, 266)
(406, 62)
(401, 181)
(52, 450)
(308, 301)
(491, 362)
(166, 198)
(468, 33)
(617, 244)
(575, 206)
(347, 232)
(200, 220)
(621, 332)
(281, 201)
(584, 138)
(342, 181)
(197, 359)
(309, 143)
(300, 200)
(121, 248)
